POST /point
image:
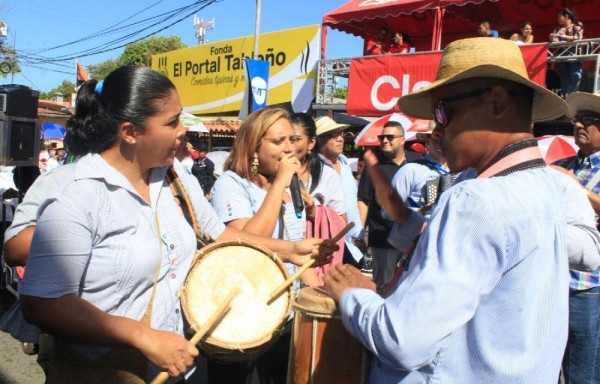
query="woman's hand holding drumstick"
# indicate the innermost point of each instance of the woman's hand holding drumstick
(207, 327)
(307, 265)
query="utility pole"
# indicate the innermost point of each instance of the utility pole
(257, 28)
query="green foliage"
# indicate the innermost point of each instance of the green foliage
(9, 61)
(341, 93)
(140, 53)
(101, 70)
(66, 88)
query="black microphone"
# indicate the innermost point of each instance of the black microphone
(296, 196)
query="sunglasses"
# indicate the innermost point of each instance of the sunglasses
(441, 116)
(389, 138)
(586, 121)
(335, 135)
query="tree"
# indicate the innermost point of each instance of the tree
(140, 53)
(66, 89)
(101, 70)
(9, 62)
(341, 93)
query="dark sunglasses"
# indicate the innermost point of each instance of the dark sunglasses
(440, 115)
(335, 135)
(389, 138)
(586, 120)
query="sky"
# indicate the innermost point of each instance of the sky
(63, 29)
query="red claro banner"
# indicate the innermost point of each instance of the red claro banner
(377, 82)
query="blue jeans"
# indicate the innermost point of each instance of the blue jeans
(581, 363)
(570, 73)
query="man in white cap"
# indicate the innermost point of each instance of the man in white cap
(485, 297)
(330, 142)
(581, 363)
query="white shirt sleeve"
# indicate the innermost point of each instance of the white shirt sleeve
(232, 198)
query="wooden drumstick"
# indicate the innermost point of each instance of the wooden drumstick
(279, 290)
(210, 323)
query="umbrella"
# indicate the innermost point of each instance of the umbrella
(557, 147)
(53, 131)
(192, 123)
(218, 157)
(368, 135)
(418, 126)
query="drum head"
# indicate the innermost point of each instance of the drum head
(316, 302)
(256, 273)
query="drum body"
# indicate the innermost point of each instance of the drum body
(250, 326)
(322, 351)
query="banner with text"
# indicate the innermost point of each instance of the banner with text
(211, 78)
(377, 82)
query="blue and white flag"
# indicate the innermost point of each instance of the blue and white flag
(257, 84)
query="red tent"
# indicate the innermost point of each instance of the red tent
(431, 24)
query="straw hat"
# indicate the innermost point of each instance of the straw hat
(583, 101)
(489, 58)
(423, 136)
(326, 124)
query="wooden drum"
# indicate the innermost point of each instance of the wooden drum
(322, 350)
(251, 325)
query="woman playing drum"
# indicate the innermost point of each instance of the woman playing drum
(112, 248)
(253, 195)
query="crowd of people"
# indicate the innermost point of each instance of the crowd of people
(472, 244)
(569, 29)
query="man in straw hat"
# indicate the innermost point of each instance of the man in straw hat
(330, 141)
(485, 297)
(581, 363)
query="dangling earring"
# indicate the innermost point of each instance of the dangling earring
(308, 152)
(255, 165)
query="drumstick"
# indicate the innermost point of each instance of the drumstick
(279, 290)
(210, 323)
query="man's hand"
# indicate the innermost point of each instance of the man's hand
(385, 195)
(344, 276)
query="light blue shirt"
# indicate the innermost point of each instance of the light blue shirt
(485, 298)
(236, 198)
(350, 194)
(97, 238)
(410, 184)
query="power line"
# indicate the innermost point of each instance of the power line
(107, 47)
(99, 33)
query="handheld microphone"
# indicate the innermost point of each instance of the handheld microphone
(296, 196)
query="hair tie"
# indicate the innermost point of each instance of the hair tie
(98, 89)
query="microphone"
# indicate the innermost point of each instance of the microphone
(296, 196)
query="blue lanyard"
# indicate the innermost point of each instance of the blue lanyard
(434, 165)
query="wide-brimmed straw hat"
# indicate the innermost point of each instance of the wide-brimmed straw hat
(423, 136)
(483, 57)
(583, 101)
(326, 124)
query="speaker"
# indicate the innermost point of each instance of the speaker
(19, 141)
(19, 100)
(20, 137)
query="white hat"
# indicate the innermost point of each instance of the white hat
(326, 124)
(583, 101)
